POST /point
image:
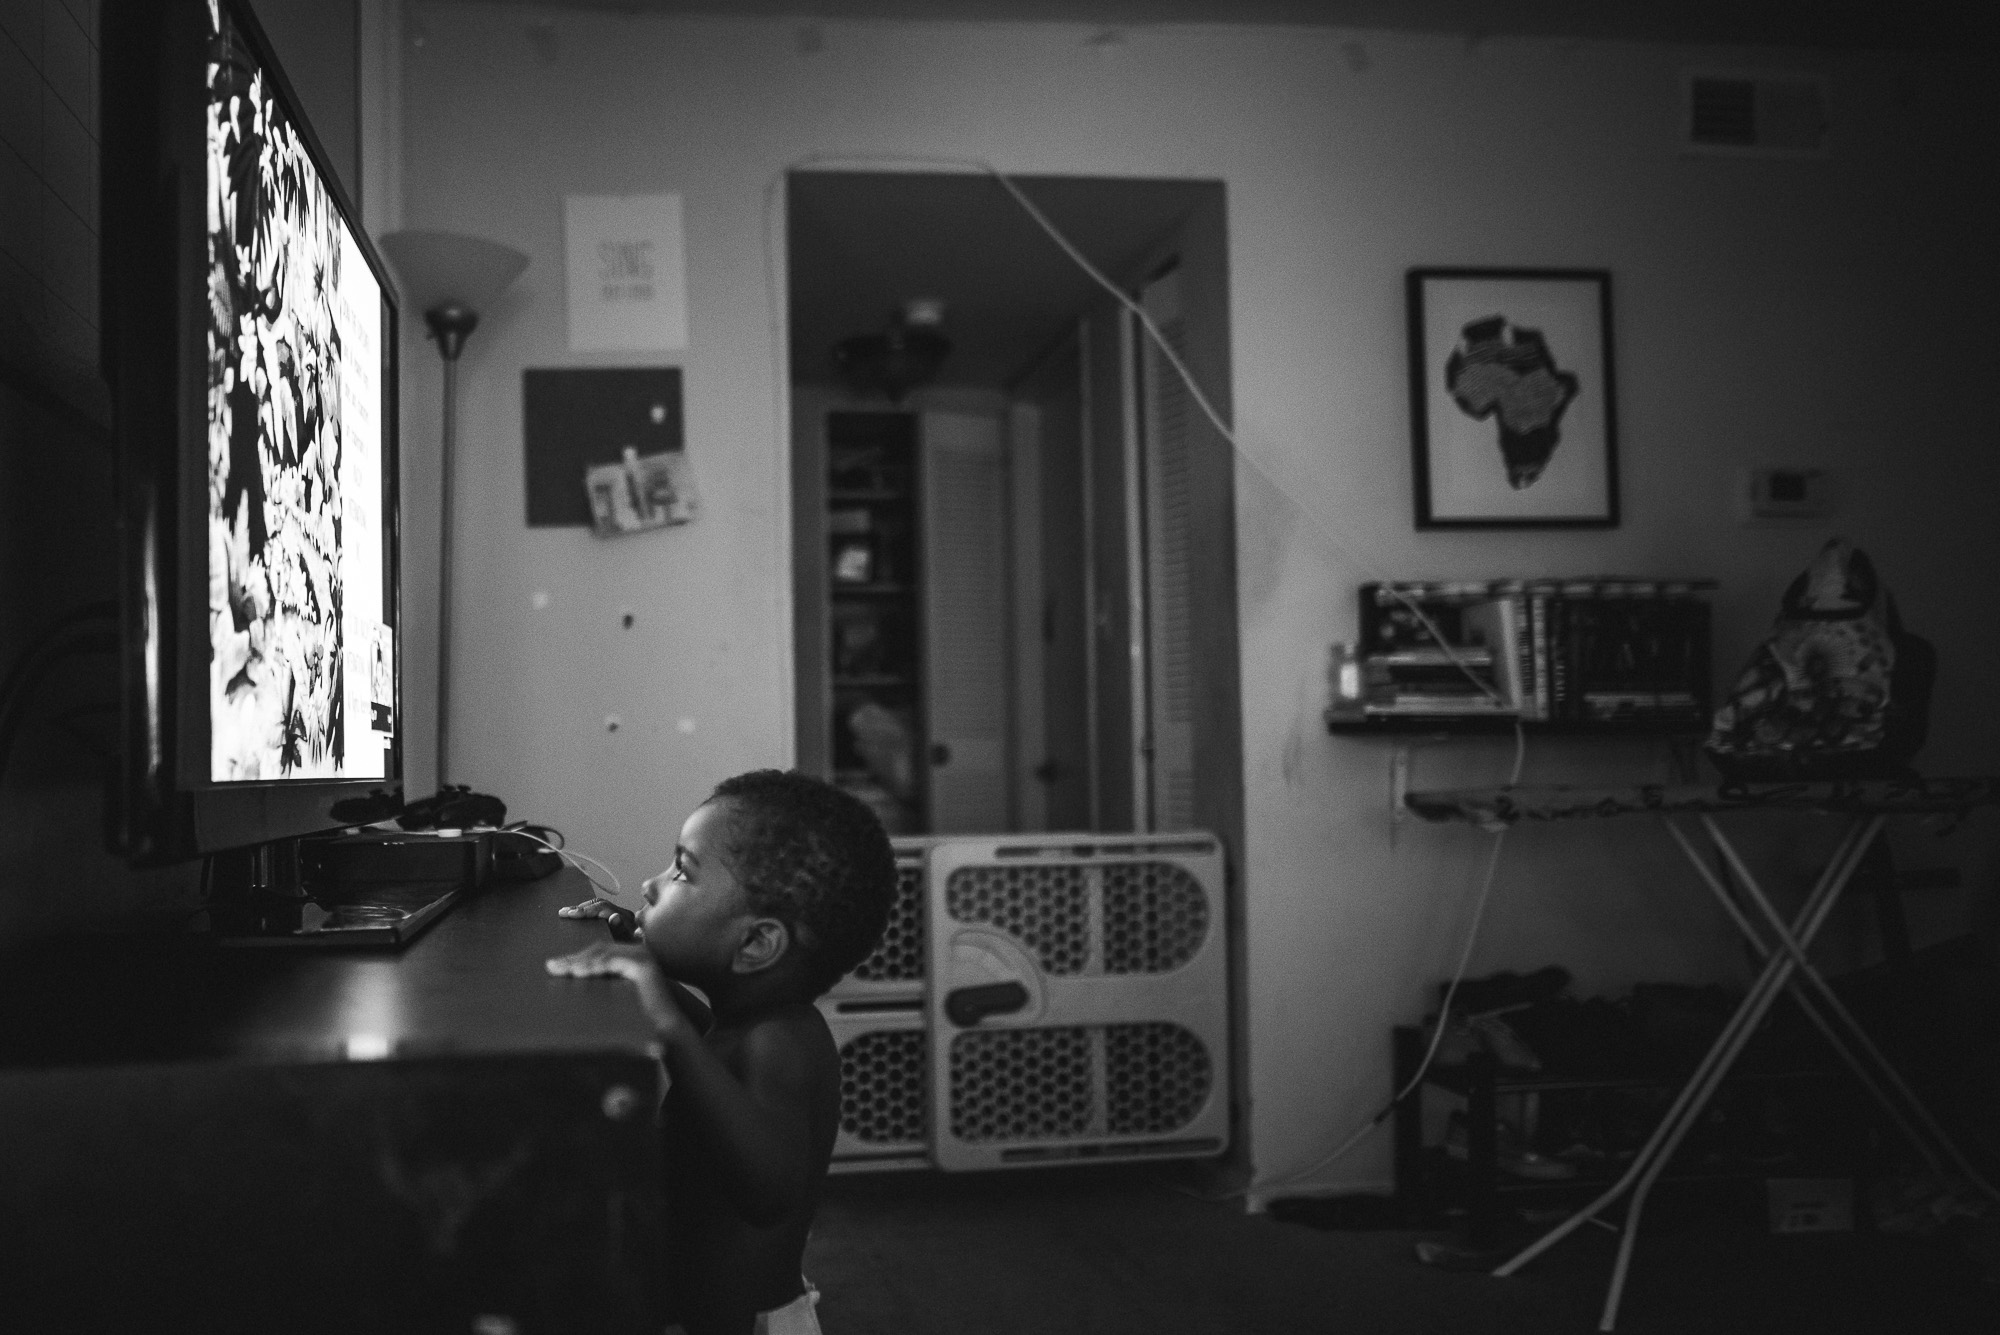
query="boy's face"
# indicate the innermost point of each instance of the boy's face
(697, 912)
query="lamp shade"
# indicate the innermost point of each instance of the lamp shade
(452, 269)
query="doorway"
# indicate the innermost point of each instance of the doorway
(1101, 521)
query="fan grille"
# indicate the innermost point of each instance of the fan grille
(1155, 917)
(1013, 1085)
(1046, 908)
(884, 1087)
(899, 956)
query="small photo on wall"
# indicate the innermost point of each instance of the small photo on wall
(1511, 395)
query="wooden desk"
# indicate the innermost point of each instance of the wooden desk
(221, 1138)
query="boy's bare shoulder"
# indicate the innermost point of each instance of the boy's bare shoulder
(789, 1043)
(794, 1023)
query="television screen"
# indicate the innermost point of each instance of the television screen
(299, 670)
(250, 344)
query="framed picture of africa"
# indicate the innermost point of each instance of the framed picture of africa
(1512, 412)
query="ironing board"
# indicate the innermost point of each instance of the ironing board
(1864, 806)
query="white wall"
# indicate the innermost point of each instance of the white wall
(1823, 312)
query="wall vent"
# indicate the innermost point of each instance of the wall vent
(1734, 113)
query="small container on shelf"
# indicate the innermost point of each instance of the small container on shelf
(854, 561)
(1347, 690)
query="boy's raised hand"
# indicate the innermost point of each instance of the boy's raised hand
(607, 959)
(589, 908)
(623, 925)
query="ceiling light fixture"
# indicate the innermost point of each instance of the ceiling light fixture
(903, 356)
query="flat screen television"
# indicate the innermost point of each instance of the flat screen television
(250, 346)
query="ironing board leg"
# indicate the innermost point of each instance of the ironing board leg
(1688, 1102)
(1795, 950)
(1735, 1037)
(1808, 1002)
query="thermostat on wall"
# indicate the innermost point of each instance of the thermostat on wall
(1789, 493)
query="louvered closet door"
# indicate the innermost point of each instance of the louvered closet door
(965, 621)
(1168, 421)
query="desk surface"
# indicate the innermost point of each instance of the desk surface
(1504, 806)
(474, 983)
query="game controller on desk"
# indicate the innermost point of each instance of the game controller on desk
(453, 807)
(391, 872)
(521, 851)
(518, 852)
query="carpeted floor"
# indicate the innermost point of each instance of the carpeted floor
(1121, 1252)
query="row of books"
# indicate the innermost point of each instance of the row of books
(1604, 649)
(1451, 591)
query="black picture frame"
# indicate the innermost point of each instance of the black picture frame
(1513, 402)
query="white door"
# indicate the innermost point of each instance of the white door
(965, 621)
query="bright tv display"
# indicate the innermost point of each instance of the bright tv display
(250, 341)
(299, 648)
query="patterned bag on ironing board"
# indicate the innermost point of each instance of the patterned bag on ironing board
(1838, 690)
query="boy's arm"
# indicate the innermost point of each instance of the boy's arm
(757, 1124)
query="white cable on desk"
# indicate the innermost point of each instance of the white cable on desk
(577, 860)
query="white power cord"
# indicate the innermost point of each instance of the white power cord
(612, 894)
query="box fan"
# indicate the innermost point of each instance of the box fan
(1078, 1004)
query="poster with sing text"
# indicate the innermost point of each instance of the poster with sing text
(627, 273)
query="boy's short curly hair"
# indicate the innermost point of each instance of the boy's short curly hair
(817, 859)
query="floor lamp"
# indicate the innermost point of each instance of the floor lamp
(449, 277)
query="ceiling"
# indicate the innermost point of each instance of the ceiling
(1896, 24)
(861, 244)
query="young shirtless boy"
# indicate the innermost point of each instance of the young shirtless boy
(779, 885)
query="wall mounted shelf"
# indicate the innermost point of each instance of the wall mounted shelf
(1401, 725)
